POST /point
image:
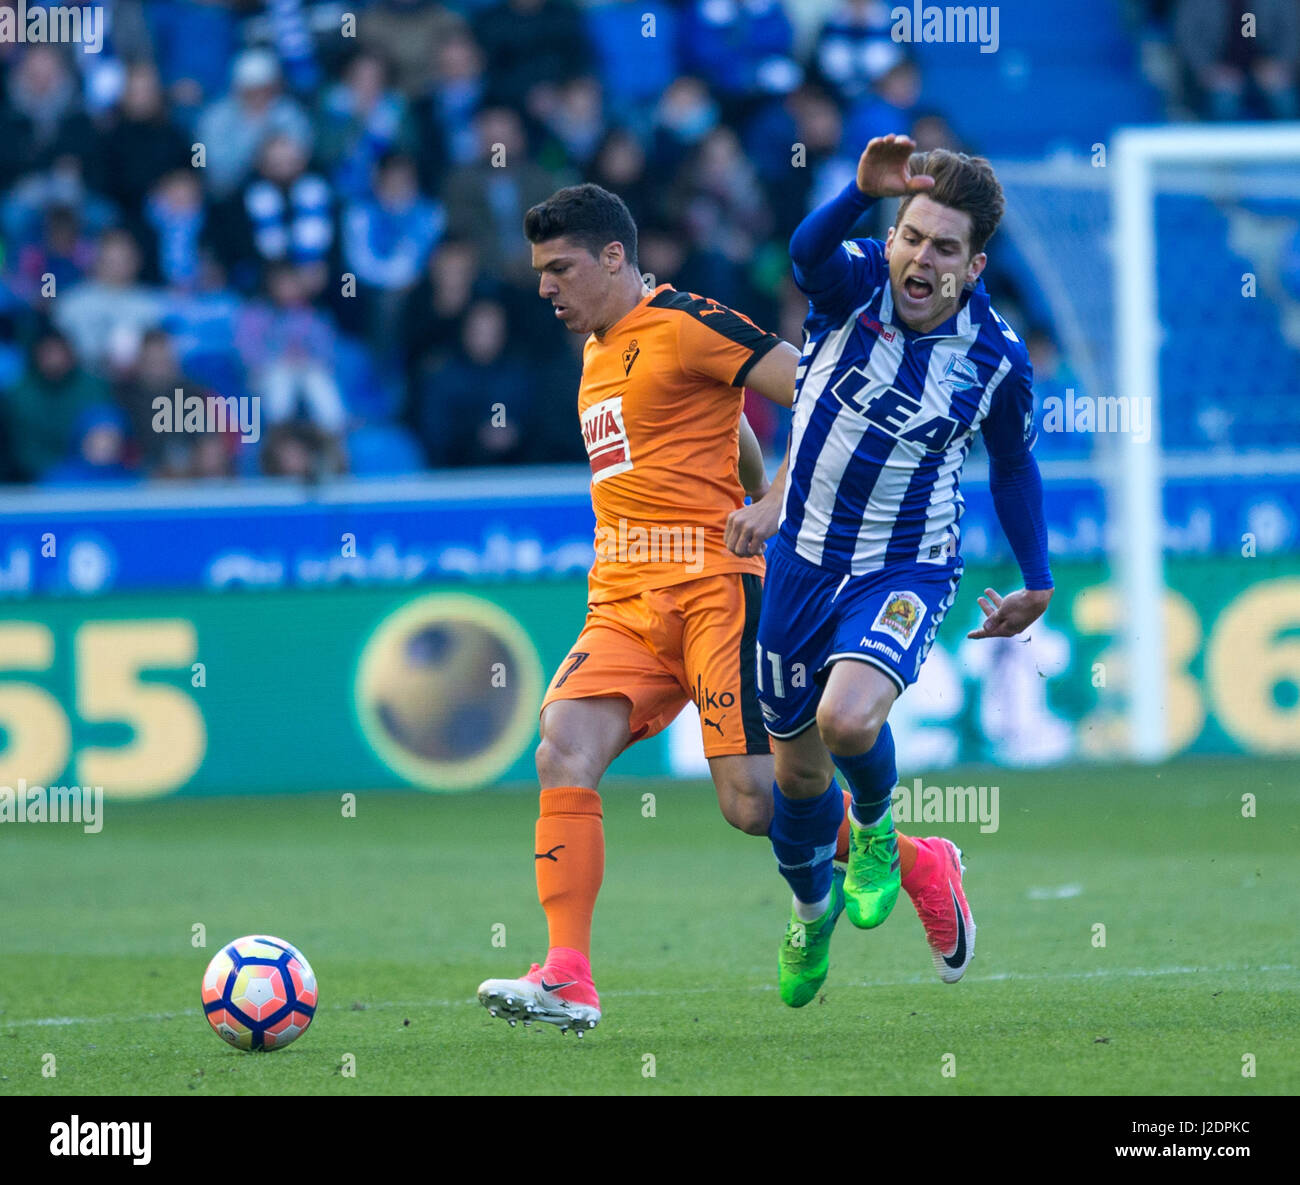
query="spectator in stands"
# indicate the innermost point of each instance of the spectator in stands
(528, 43)
(99, 456)
(552, 429)
(361, 119)
(724, 212)
(62, 184)
(173, 230)
(742, 48)
(64, 253)
(574, 119)
(444, 115)
(486, 202)
(303, 451)
(107, 316)
(233, 129)
(854, 48)
(212, 455)
(193, 44)
(620, 165)
(386, 243)
(201, 324)
(197, 456)
(665, 251)
(1235, 75)
(931, 130)
(288, 350)
(155, 372)
(685, 115)
(807, 117)
(42, 118)
(474, 409)
(44, 409)
(407, 33)
(613, 26)
(890, 105)
(432, 313)
(283, 214)
(141, 144)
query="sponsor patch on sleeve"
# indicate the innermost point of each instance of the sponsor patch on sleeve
(901, 616)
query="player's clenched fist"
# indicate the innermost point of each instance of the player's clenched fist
(749, 527)
(883, 170)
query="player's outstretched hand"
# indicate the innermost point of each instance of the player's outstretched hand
(883, 170)
(1004, 617)
(751, 526)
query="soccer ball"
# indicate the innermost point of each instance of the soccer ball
(259, 993)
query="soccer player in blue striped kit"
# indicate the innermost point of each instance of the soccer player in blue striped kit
(903, 360)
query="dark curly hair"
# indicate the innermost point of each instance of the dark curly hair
(965, 183)
(589, 215)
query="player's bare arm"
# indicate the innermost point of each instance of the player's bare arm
(753, 473)
(773, 376)
(749, 526)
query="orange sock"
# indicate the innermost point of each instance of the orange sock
(570, 861)
(842, 838)
(906, 845)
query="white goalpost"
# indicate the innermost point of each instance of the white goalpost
(1135, 468)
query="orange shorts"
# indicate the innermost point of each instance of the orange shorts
(662, 648)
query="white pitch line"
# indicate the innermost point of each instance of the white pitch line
(998, 977)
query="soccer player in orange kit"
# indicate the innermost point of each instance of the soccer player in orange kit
(676, 587)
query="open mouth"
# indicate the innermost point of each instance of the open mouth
(917, 288)
(560, 310)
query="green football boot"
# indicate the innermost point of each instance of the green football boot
(873, 880)
(806, 949)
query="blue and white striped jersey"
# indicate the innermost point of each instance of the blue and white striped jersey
(884, 417)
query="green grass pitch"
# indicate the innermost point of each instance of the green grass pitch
(403, 909)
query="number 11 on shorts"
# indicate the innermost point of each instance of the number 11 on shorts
(774, 661)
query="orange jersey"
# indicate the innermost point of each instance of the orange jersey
(660, 403)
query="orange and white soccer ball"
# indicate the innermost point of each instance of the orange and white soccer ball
(259, 993)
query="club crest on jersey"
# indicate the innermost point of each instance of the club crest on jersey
(960, 374)
(901, 615)
(630, 355)
(605, 436)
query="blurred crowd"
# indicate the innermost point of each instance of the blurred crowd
(305, 203)
(1223, 59)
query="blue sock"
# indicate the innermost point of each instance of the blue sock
(871, 776)
(803, 835)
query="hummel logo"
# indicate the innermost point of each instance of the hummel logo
(958, 956)
(554, 987)
(548, 854)
(710, 723)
